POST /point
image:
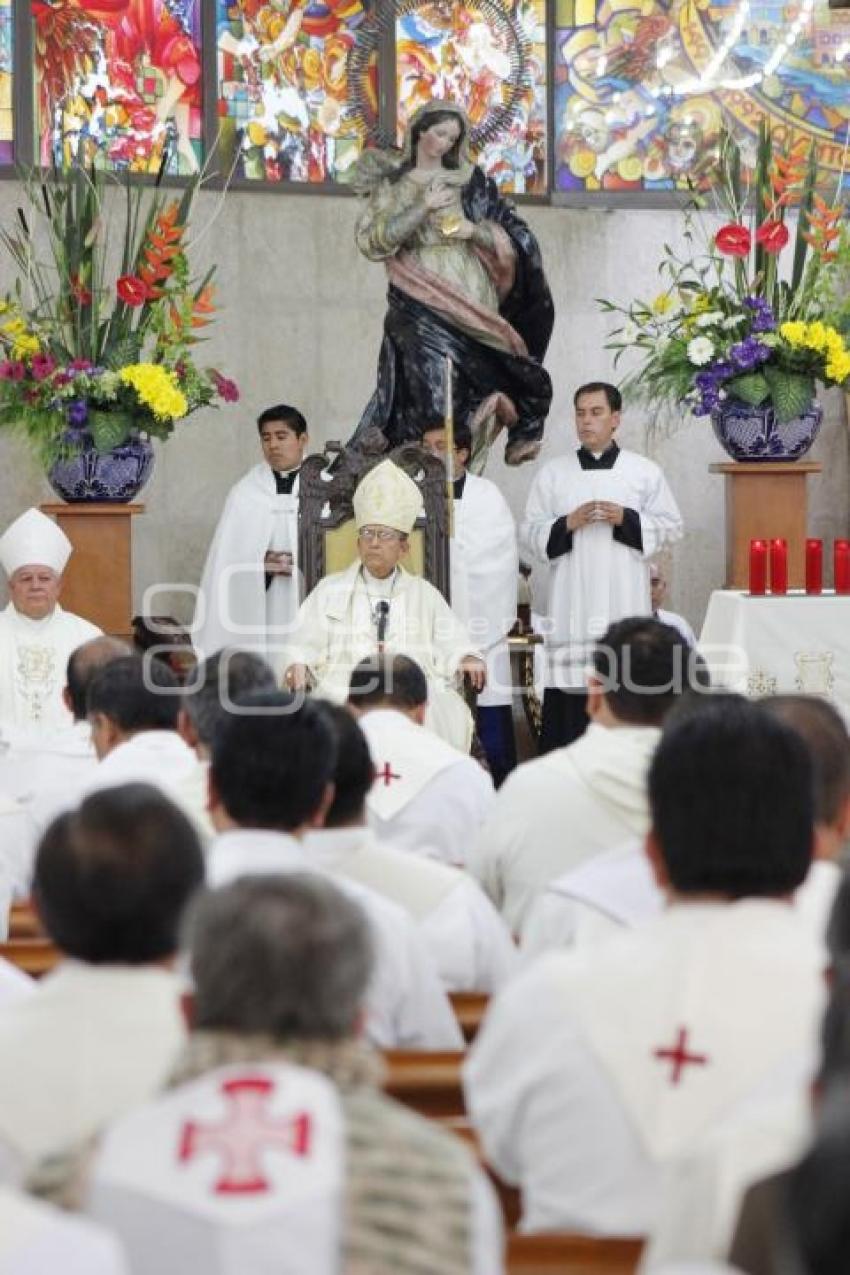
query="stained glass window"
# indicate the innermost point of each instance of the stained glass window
(7, 148)
(286, 107)
(118, 82)
(486, 55)
(642, 86)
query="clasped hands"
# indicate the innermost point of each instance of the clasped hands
(439, 198)
(595, 511)
(474, 669)
(278, 564)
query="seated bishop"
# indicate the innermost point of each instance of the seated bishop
(376, 607)
(36, 635)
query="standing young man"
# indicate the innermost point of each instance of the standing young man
(595, 517)
(249, 588)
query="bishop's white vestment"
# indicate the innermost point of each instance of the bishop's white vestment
(485, 570)
(562, 808)
(406, 1006)
(337, 628)
(37, 1239)
(237, 606)
(465, 935)
(595, 1071)
(33, 667)
(428, 796)
(599, 573)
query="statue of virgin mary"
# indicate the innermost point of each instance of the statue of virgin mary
(466, 280)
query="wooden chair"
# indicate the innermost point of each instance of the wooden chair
(33, 956)
(469, 1009)
(565, 1254)
(427, 1082)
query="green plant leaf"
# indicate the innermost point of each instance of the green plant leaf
(751, 387)
(109, 429)
(790, 392)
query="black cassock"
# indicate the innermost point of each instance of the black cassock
(410, 394)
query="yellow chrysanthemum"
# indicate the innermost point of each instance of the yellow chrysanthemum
(156, 389)
(24, 347)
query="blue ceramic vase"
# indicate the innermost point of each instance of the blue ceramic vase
(754, 433)
(114, 477)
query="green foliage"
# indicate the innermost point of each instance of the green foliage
(791, 393)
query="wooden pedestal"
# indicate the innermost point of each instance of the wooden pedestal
(98, 582)
(765, 500)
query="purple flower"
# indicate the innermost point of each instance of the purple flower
(78, 413)
(764, 319)
(749, 354)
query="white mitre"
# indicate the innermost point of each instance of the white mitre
(34, 540)
(386, 497)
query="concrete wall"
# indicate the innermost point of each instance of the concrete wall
(301, 322)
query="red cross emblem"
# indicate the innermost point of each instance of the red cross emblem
(387, 774)
(243, 1135)
(679, 1057)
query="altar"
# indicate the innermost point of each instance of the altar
(779, 644)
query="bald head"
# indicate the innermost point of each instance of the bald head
(82, 666)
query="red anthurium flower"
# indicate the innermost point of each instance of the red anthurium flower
(733, 240)
(132, 290)
(772, 235)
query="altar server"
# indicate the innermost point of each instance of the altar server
(466, 936)
(249, 588)
(594, 517)
(36, 635)
(595, 1071)
(375, 606)
(485, 573)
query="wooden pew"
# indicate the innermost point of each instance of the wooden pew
(427, 1082)
(33, 956)
(469, 1009)
(564, 1254)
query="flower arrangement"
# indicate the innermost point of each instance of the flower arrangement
(97, 345)
(729, 323)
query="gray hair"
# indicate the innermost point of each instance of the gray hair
(218, 683)
(288, 956)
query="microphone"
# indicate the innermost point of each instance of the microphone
(382, 611)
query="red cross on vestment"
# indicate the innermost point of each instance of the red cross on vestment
(679, 1057)
(243, 1135)
(387, 774)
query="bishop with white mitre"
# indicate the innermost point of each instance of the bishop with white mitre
(376, 607)
(36, 635)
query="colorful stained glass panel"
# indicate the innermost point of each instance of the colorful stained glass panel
(7, 135)
(119, 83)
(643, 86)
(285, 106)
(481, 55)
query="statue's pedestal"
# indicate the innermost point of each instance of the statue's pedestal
(98, 581)
(765, 500)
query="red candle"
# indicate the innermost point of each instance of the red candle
(841, 552)
(758, 566)
(779, 566)
(814, 566)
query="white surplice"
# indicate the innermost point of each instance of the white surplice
(336, 629)
(234, 607)
(89, 1044)
(37, 1239)
(556, 811)
(599, 580)
(596, 1070)
(427, 796)
(33, 667)
(467, 938)
(485, 570)
(406, 1006)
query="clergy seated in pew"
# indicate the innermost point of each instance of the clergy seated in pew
(559, 810)
(596, 1072)
(375, 606)
(428, 797)
(249, 591)
(464, 933)
(617, 890)
(36, 635)
(281, 968)
(484, 580)
(271, 783)
(658, 594)
(102, 1031)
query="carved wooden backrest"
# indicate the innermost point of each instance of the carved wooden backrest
(327, 536)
